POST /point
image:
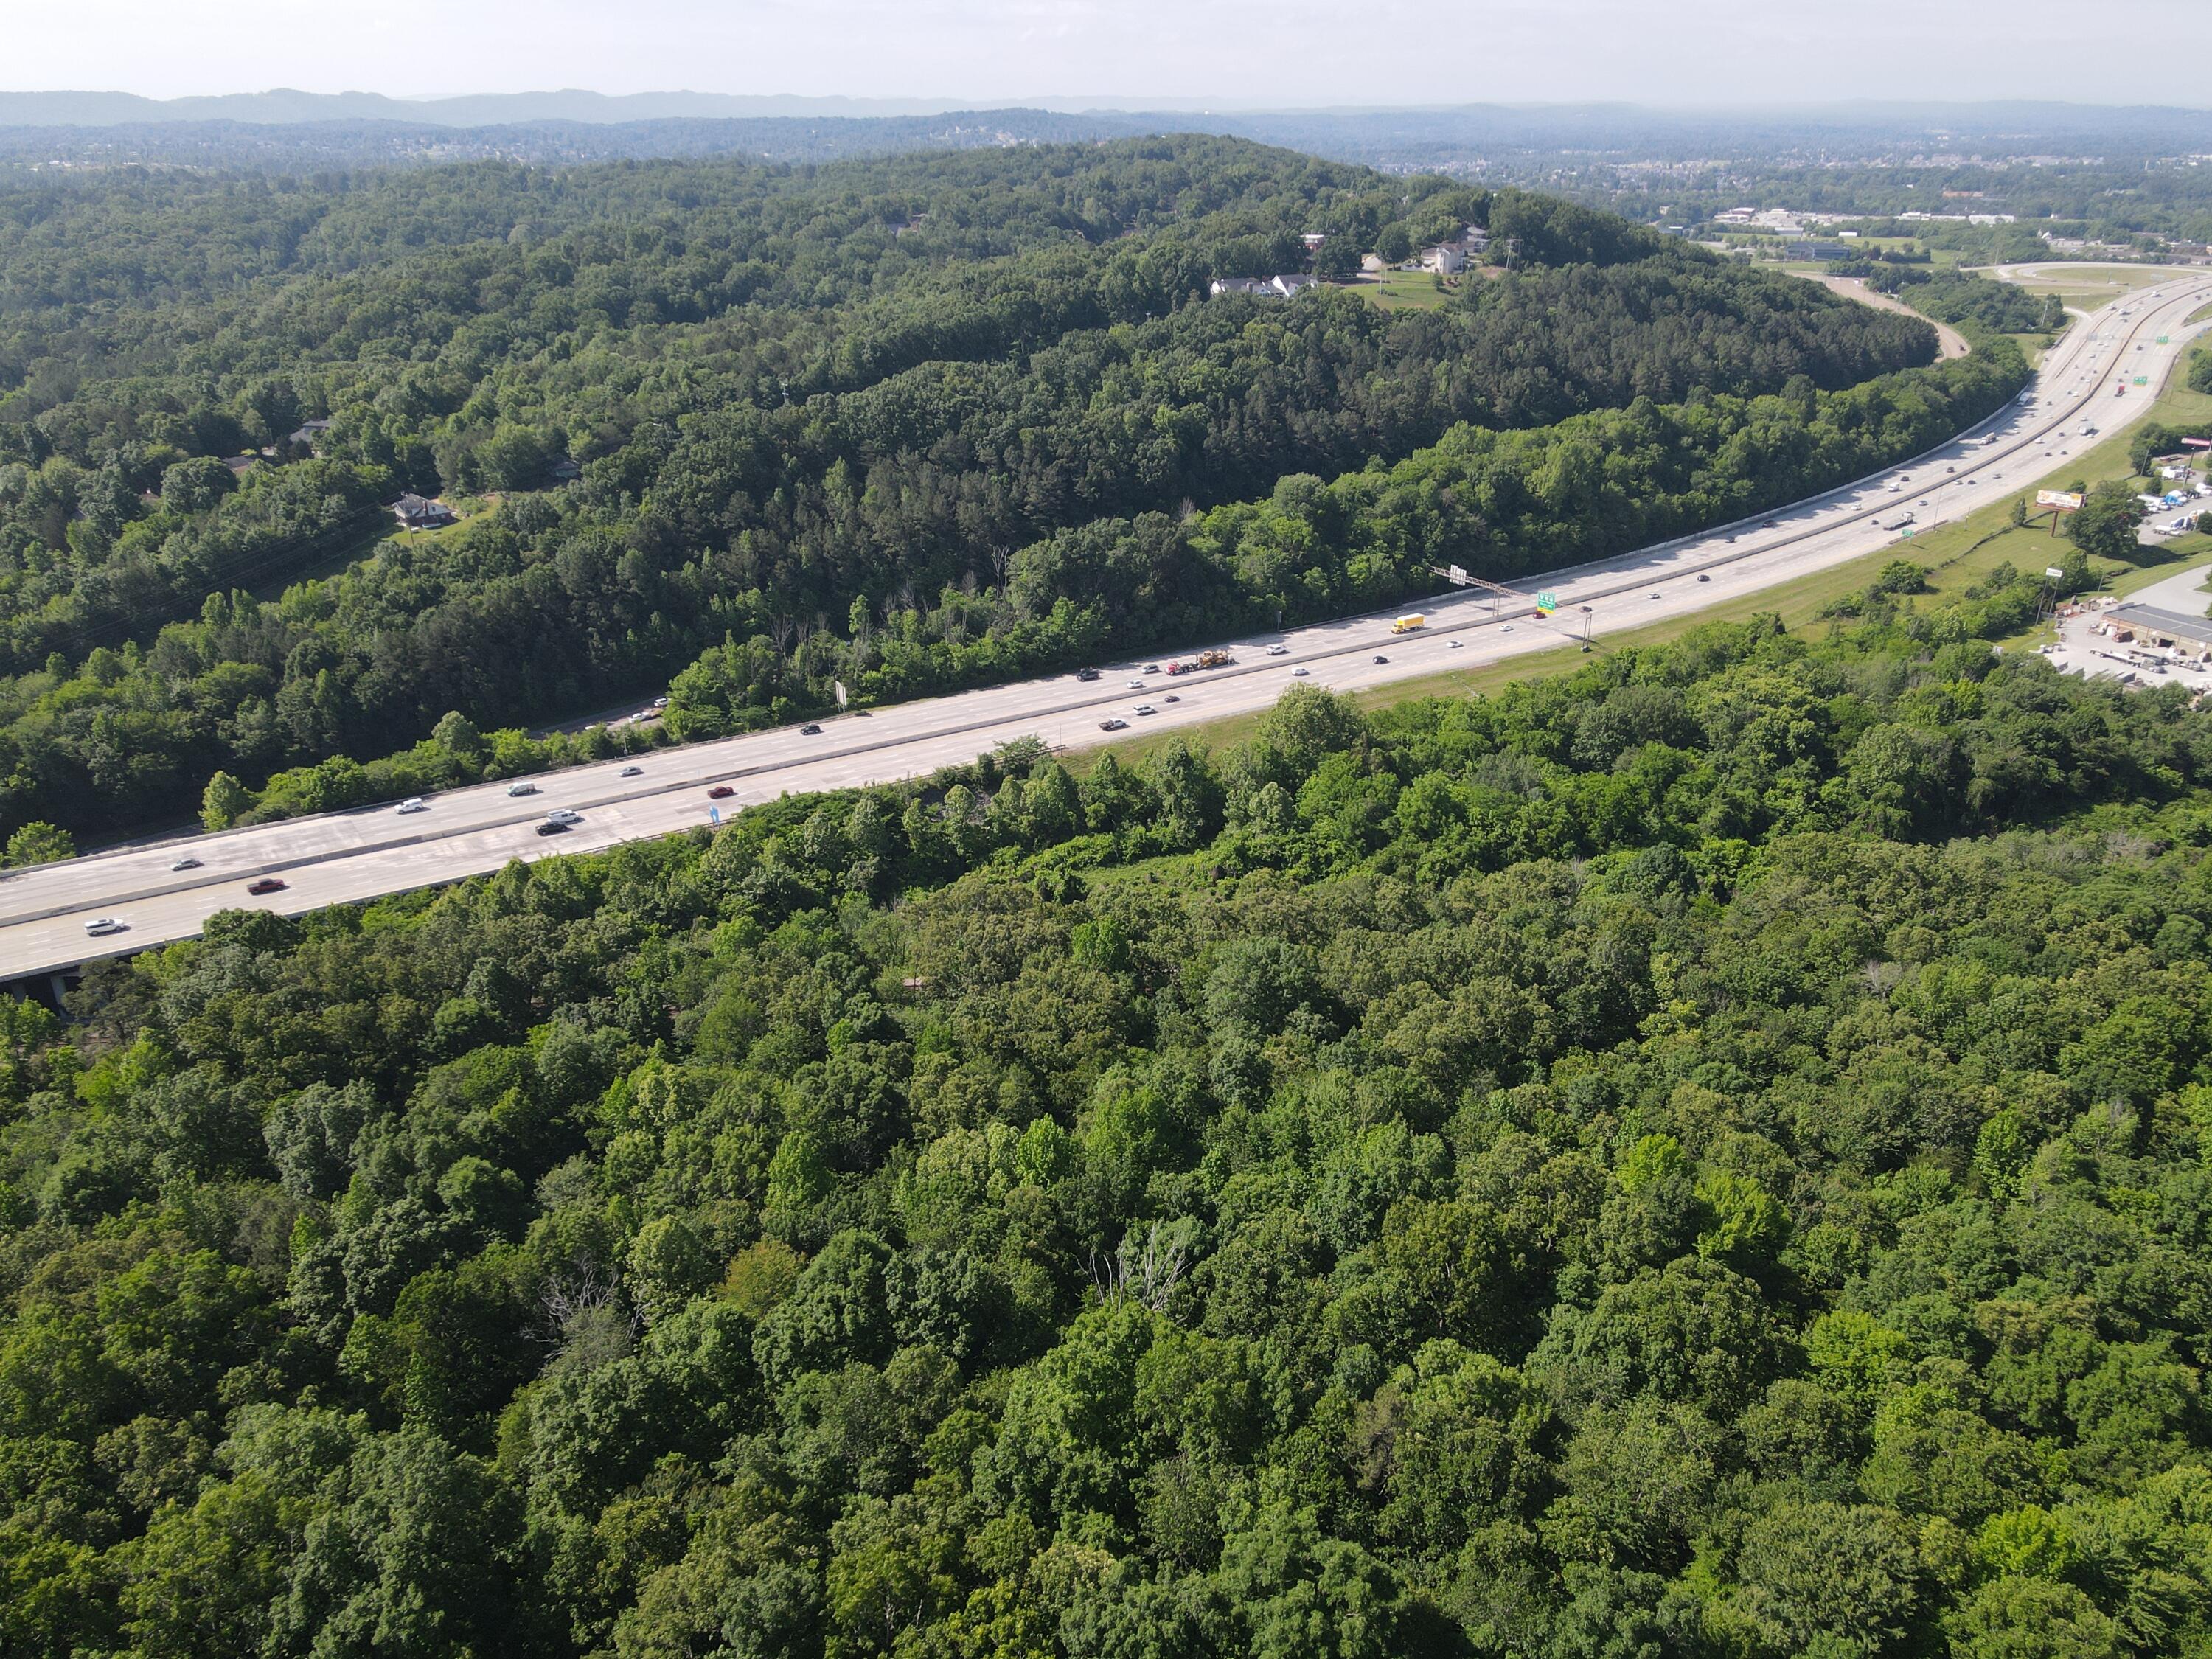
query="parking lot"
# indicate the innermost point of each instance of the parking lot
(2085, 647)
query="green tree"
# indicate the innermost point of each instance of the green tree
(1843, 1578)
(38, 843)
(2033, 1618)
(224, 802)
(2105, 524)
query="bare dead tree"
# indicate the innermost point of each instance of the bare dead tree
(1147, 1276)
(569, 1300)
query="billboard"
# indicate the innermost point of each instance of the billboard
(2066, 500)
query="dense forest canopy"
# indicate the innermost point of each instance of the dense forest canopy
(1704, 1157)
(911, 423)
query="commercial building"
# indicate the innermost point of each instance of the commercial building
(2149, 625)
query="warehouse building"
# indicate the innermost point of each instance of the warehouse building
(2151, 626)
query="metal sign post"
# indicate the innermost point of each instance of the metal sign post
(1459, 576)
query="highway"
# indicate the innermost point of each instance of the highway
(343, 857)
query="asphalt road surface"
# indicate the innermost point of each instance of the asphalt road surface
(344, 857)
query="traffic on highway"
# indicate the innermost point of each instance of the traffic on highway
(53, 917)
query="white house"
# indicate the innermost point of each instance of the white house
(418, 513)
(1273, 288)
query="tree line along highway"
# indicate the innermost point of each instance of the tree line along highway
(306, 864)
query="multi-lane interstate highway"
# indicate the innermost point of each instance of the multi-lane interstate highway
(347, 856)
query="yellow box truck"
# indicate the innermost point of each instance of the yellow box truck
(1407, 624)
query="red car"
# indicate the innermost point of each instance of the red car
(266, 885)
(720, 792)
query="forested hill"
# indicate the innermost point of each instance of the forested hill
(817, 417)
(1703, 1157)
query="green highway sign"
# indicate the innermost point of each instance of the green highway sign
(1546, 603)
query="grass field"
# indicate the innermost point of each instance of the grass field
(2084, 288)
(1402, 290)
(1958, 555)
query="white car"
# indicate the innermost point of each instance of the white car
(1453, 644)
(1278, 650)
(1299, 672)
(416, 803)
(562, 815)
(1144, 708)
(1508, 628)
(1136, 685)
(187, 862)
(101, 924)
(632, 772)
(526, 787)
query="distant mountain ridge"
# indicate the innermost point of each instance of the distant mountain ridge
(1534, 144)
(308, 146)
(283, 105)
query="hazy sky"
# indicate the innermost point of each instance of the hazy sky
(1272, 53)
